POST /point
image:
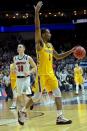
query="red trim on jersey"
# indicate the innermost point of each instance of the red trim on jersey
(18, 63)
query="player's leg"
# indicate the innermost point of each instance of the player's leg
(21, 110)
(77, 88)
(77, 85)
(14, 104)
(37, 93)
(82, 84)
(13, 86)
(36, 90)
(52, 84)
(58, 100)
(21, 100)
(25, 102)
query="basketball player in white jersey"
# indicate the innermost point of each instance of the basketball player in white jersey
(22, 64)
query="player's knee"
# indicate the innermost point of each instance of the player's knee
(36, 97)
(57, 93)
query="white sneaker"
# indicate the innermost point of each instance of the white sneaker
(13, 106)
(61, 120)
(22, 116)
(76, 93)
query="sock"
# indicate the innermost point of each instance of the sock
(59, 113)
(14, 103)
(22, 108)
(77, 88)
(82, 87)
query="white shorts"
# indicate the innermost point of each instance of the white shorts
(23, 86)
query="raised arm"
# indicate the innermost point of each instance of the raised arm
(38, 39)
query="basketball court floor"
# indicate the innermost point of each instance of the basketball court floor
(43, 116)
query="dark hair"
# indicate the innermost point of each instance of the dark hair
(43, 30)
(22, 45)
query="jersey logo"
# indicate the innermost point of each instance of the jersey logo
(49, 51)
(22, 63)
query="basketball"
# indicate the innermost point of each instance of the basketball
(79, 52)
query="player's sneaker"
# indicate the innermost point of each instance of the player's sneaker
(61, 120)
(13, 107)
(76, 93)
(31, 107)
(22, 116)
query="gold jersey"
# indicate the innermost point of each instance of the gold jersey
(78, 71)
(45, 60)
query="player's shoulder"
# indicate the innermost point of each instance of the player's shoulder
(12, 66)
(50, 44)
(29, 57)
(26, 57)
(15, 57)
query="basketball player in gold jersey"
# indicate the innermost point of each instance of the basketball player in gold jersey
(13, 85)
(78, 78)
(45, 54)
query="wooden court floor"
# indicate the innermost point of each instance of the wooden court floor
(43, 117)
